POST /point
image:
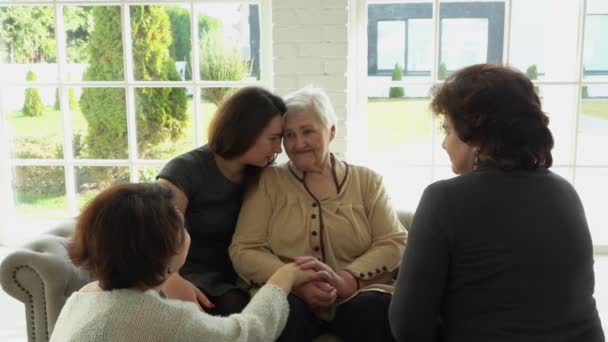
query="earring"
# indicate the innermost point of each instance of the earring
(476, 160)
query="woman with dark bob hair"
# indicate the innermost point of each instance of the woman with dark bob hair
(132, 238)
(503, 251)
(209, 183)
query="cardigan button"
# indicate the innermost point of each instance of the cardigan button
(316, 248)
(384, 268)
(314, 204)
(314, 233)
(377, 270)
(370, 274)
(362, 275)
(313, 216)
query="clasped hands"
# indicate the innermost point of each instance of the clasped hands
(317, 293)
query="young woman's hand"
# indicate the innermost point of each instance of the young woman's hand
(176, 287)
(344, 282)
(290, 275)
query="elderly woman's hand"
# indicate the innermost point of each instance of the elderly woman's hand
(316, 294)
(344, 282)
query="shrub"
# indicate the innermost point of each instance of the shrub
(442, 72)
(72, 98)
(222, 64)
(33, 102)
(532, 73)
(396, 92)
(38, 181)
(161, 111)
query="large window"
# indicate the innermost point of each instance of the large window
(94, 93)
(562, 48)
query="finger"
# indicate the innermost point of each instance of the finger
(303, 259)
(311, 265)
(321, 276)
(203, 300)
(324, 287)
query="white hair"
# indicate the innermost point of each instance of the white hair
(315, 98)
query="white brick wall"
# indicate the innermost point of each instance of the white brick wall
(310, 45)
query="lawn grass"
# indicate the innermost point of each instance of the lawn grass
(391, 122)
(595, 108)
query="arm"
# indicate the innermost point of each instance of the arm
(415, 307)
(250, 253)
(264, 317)
(388, 237)
(176, 286)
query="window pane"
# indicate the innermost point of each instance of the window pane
(91, 180)
(391, 44)
(593, 126)
(592, 187)
(94, 43)
(165, 127)
(559, 102)
(400, 33)
(404, 184)
(596, 45)
(463, 42)
(548, 51)
(40, 191)
(230, 41)
(147, 174)
(103, 123)
(35, 121)
(470, 33)
(210, 100)
(161, 42)
(399, 124)
(419, 46)
(27, 44)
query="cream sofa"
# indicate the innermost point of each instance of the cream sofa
(41, 276)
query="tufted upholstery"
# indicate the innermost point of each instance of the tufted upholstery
(41, 276)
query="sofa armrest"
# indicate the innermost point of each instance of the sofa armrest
(42, 277)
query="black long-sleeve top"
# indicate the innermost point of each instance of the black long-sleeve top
(497, 256)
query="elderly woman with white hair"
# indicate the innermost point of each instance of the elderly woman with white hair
(327, 215)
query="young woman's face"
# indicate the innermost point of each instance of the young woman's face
(267, 145)
(462, 155)
(306, 140)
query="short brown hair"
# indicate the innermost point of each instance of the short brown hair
(240, 119)
(497, 109)
(127, 234)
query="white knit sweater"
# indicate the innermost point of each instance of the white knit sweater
(132, 315)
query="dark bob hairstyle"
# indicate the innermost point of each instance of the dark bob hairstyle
(497, 109)
(127, 234)
(240, 119)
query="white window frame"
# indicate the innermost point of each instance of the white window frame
(357, 104)
(68, 162)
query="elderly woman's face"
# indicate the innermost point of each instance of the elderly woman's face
(462, 155)
(306, 140)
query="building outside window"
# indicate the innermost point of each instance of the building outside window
(562, 48)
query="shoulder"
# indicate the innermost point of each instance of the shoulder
(199, 155)
(365, 176)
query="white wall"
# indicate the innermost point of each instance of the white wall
(310, 45)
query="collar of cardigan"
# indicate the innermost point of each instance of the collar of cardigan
(339, 170)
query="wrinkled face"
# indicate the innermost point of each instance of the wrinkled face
(306, 140)
(267, 145)
(462, 155)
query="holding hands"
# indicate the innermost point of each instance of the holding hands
(340, 284)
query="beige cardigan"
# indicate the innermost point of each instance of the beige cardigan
(357, 230)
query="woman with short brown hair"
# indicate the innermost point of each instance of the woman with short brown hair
(132, 238)
(503, 251)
